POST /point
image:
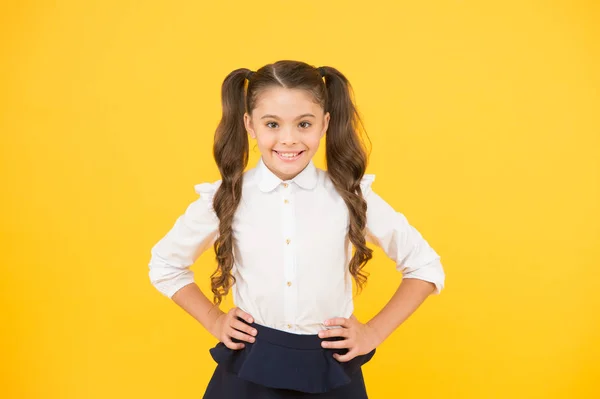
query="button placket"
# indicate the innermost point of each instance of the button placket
(289, 226)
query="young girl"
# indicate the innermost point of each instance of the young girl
(289, 241)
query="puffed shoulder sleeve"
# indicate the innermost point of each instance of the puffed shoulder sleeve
(365, 184)
(193, 233)
(402, 243)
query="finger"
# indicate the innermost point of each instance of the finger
(241, 326)
(337, 321)
(334, 332)
(240, 313)
(344, 343)
(232, 345)
(345, 358)
(232, 332)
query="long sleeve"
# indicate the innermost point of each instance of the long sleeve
(193, 233)
(401, 242)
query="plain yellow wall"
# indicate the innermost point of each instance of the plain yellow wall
(484, 120)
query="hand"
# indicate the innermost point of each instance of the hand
(360, 338)
(227, 326)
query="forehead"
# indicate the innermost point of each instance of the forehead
(286, 103)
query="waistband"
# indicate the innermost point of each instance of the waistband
(287, 339)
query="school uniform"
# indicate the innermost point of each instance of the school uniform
(291, 267)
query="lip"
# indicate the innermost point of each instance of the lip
(284, 159)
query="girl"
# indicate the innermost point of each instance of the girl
(289, 241)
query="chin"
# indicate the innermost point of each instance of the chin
(289, 169)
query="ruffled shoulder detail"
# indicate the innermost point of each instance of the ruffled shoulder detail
(207, 191)
(365, 183)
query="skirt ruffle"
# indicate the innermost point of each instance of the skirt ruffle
(282, 360)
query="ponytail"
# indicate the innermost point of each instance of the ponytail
(346, 164)
(230, 151)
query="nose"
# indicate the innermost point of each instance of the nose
(288, 136)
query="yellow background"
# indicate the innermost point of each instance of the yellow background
(484, 120)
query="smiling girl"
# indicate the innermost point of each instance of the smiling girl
(290, 239)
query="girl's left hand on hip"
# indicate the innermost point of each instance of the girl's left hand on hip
(360, 338)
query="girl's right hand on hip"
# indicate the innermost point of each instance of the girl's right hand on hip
(228, 326)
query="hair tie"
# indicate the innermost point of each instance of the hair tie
(321, 71)
(249, 74)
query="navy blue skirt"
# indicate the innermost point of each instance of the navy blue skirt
(285, 365)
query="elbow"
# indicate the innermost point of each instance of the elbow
(432, 272)
(168, 279)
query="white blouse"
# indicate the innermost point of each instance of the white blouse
(291, 248)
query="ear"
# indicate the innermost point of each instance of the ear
(325, 123)
(248, 125)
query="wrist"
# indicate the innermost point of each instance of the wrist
(213, 326)
(377, 335)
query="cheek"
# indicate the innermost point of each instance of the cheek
(265, 141)
(312, 141)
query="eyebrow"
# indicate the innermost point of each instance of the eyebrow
(276, 117)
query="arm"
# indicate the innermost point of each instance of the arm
(362, 338)
(408, 297)
(192, 300)
(193, 233)
(421, 270)
(223, 326)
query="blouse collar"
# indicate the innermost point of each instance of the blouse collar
(307, 179)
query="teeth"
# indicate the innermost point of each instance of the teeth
(288, 154)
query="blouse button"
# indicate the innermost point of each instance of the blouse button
(285, 185)
(286, 201)
(288, 241)
(289, 283)
(289, 326)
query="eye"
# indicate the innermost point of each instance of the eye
(269, 123)
(308, 124)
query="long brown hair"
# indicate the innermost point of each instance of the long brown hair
(345, 153)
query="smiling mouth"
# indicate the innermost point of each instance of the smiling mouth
(288, 156)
